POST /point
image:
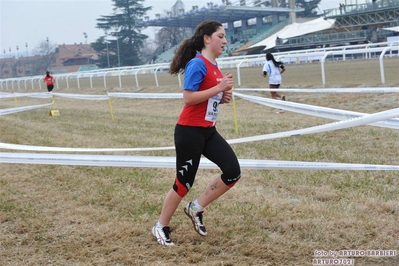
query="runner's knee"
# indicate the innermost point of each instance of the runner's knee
(232, 175)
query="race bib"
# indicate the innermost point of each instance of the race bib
(212, 109)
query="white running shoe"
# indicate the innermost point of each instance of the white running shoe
(196, 219)
(162, 235)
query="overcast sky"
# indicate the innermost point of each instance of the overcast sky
(64, 21)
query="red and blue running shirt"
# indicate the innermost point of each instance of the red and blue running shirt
(200, 74)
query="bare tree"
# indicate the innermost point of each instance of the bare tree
(147, 52)
(168, 36)
(46, 50)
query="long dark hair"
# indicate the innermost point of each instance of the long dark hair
(48, 74)
(189, 47)
(269, 56)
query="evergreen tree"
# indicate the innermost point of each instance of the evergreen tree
(123, 26)
(310, 7)
(106, 55)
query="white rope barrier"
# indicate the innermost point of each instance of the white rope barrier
(351, 119)
(94, 97)
(66, 149)
(325, 112)
(328, 90)
(366, 119)
(147, 95)
(22, 109)
(82, 96)
(170, 162)
(40, 95)
(180, 95)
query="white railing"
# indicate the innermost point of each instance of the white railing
(238, 62)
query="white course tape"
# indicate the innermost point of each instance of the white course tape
(66, 149)
(40, 95)
(367, 119)
(301, 108)
(318, 111)
(147, 95)
(21, 109)
(329, 90)
(170, 162)
(81, 96)
(95, 97)
(180, 95)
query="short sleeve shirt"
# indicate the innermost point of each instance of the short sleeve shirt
(49, 80)
(200, 74)
(273, 72)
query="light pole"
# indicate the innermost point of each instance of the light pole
(106, 43)
(9, 49)
(27, 57)
(51, 57)
(1, 66)
(117, 45)
(17, 52)
(27, 52)
(85, 35)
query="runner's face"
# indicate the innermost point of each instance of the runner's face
(218, 41)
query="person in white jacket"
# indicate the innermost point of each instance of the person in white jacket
(273, 69)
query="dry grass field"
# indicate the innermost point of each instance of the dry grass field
(87, 215)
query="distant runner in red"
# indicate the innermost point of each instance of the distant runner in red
(49, 80)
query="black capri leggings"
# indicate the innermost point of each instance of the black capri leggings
(191, 143)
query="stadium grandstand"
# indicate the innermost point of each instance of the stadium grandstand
(352, 22)
(246, 22)
(257, 26)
